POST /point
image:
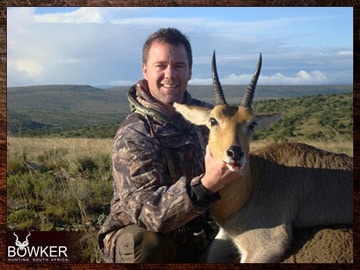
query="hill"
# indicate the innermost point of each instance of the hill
(234, 93)
(327, 118)
(69, 98)
(66, 98)
(86, 111)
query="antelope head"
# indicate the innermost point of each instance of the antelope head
(230, 127)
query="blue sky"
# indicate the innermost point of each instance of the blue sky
(102, 46)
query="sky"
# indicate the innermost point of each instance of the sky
(102, 46)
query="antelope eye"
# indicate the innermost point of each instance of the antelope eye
(213, 121)
(252, 126)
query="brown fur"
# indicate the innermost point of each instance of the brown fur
(303, 155)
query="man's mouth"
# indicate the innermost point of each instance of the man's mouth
(169, 85)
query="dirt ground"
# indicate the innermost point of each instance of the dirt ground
(321, 245)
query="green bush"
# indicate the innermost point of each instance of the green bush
(15, 166)
(22, 219)
(309, 117)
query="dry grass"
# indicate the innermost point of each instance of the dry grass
(80, 147)
(77, 147)
(83, 193)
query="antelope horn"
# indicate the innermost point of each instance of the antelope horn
(218, 91)
(249, 93)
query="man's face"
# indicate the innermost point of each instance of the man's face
(167, 72)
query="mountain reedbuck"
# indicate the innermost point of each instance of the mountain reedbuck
(280, 187)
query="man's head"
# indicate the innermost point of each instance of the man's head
(167, 63)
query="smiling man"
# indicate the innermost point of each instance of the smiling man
(163, 183)
(167, 69)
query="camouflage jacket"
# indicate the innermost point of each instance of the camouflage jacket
(157, 160)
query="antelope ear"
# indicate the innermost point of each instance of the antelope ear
(263, 121)
(194, 114)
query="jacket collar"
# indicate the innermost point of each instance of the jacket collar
(142, 102)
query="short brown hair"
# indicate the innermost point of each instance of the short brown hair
(170, 36)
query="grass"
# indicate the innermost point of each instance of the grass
(57, 184)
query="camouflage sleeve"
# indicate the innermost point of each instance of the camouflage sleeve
(143, 192)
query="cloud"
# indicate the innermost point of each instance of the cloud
(88, 15)
(18, 77)
(103, 45)
(64, 53)
(346, 53)
(301, 77)
(120, 82)
(31, 67)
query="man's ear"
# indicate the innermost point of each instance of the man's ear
(194, 114)
(265, 120)
(144, 70)
(190, 74)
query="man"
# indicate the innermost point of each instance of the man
(162, 192)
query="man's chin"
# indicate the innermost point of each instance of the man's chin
(171, 99)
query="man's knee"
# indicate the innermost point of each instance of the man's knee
(124, 248)
(137, 245)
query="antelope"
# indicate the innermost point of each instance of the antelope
(280, 186)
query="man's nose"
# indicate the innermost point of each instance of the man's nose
(169, 71)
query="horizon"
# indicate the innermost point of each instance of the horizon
(104, 87)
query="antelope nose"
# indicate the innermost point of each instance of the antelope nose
(235, 152)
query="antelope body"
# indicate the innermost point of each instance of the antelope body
(280, 186)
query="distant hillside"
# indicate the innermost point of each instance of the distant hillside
(234, 93)
(69, 98)
(326, 118)
(83, 110)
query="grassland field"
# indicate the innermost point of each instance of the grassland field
(56, 183)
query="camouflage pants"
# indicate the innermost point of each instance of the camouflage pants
(137, 245)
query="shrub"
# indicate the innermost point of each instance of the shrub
(15, 166)
(87, 164)
(22, 219)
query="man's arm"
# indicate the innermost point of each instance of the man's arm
(144, 194)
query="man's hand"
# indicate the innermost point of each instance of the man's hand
(217, 174)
